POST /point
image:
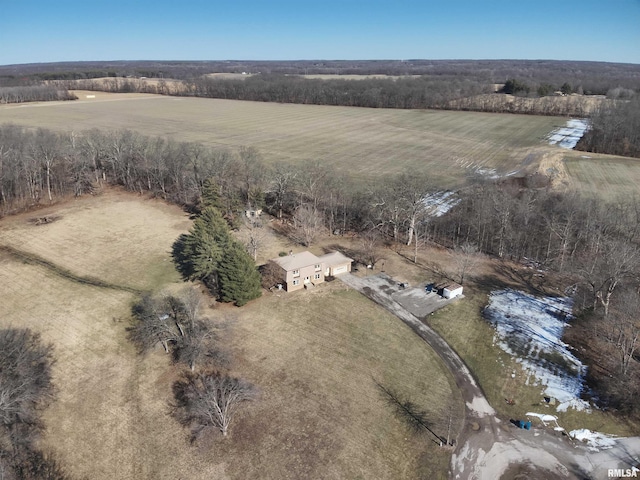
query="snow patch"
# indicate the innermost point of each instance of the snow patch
(595, 440)
(439, 203)
(569, 135)
(575, 403)
(543, 417)
(530, 329)
(480, 407)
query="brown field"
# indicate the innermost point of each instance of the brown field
(361, 142)
(314, 357)
(604, 176)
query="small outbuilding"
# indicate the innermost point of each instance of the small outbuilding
(452, 290)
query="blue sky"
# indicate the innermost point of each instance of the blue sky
(71, 30)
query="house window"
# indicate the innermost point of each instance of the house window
(296, 282)
(317, 267)
(296, 273)
(317, 276)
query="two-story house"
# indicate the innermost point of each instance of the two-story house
(304, 268)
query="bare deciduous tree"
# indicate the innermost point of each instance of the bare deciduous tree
(173, 322)
(253, 236)
(252, 173)
(210, 400)
(198, 346)
(606, 266)
(371, 248)
(281, 187)
(307, 224)
(465, 259)
(154, 324)
(25, 376)
(25, 387)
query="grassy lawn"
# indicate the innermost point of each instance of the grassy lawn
(365, 143)
(500, 376)
(99, 236)
(314, 356)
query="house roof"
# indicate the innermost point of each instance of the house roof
(297, 260)
(334, 258)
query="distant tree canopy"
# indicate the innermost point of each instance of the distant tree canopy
(34, 93)
(515, 87)
(592, 77)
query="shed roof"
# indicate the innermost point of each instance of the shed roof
(297, 260)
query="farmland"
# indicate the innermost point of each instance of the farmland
(604, 176)
(364, 143)
(313, 356)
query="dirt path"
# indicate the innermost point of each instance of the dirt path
(489, 447)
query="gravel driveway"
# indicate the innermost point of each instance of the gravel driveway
(489, 447)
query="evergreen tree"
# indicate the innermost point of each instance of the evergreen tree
(239, 278)
(566, 88)
(198, 253)
(211, 195)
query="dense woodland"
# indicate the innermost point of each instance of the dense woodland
(615, 129)
(593, 77)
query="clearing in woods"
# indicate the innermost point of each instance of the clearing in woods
(314, 357)
(361, 142)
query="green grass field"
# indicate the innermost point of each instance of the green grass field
(359, 142)
(314, 357)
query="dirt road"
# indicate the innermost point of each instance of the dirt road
(489, 447)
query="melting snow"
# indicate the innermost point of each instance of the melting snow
(595, 440)
(440, 203)
(570, 135)
(543, 417)
(530, 329)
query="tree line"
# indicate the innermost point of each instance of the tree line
(614, 129)
(34, 93)
(432, 92)
(594, 78)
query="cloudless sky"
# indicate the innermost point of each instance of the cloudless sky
(72, 30)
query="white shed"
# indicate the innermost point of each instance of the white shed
(452, 290)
